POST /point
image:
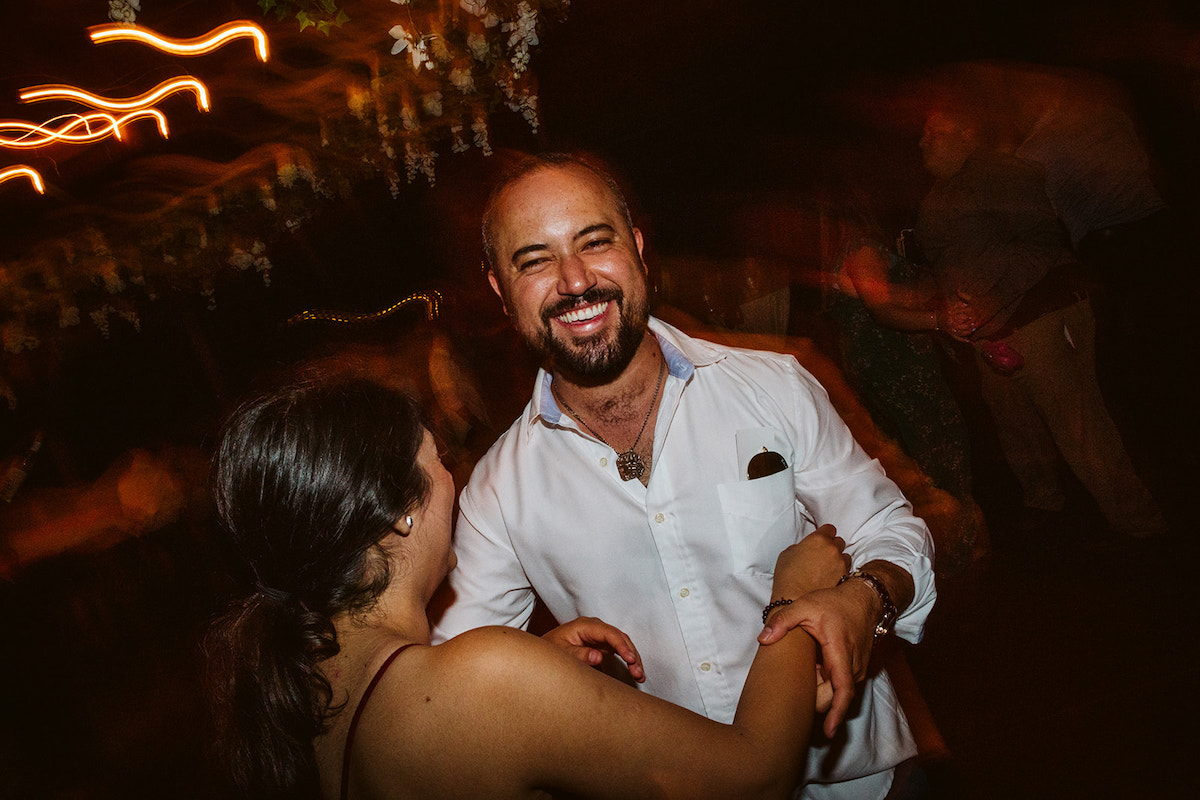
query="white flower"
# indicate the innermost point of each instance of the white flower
(420, 55)
(403, 40)
(463, 80)
(437, 45)
(458, 145)
(476, 7)
(123, 10)
(432, 104)
(520, 61)
(480, 130)
(241, 260)
(100, 319)
(522, 35)
(408, 119)
(416, 47)
(477, 43)
(527, 106)
(525, 28)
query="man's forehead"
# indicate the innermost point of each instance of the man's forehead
(572, 177)
(560, 189)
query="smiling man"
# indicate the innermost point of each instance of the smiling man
(622, 492)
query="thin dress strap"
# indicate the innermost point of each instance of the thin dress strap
(362, 703)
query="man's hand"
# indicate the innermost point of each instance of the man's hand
(958, 319)
(588, 638)
(842, 621)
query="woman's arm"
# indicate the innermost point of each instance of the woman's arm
(530, 716)
(906, 308)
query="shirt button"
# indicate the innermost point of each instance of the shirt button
(684, 592)
(659, 518)
(706, 666)
(604, 462)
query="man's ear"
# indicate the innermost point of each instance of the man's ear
(495, 284)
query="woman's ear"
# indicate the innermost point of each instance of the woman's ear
(404, 525)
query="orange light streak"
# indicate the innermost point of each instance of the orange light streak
(66, 133)
(28, 172)
(58, 91)
(105, 125)
(158, 116)
(198, 45)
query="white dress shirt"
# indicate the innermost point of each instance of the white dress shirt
(684, 565)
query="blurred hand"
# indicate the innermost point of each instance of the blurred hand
(959, 319)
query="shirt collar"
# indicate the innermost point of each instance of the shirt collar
(681, 352)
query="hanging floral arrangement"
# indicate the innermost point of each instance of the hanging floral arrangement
(403, 82)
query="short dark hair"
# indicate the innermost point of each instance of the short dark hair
(309, 477)
(532, 162)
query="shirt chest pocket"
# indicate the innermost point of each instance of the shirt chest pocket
(761, 518)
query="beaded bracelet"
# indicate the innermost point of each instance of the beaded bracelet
(774, 604)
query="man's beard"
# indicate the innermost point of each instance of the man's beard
(596, 357)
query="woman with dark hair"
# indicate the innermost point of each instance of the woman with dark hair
(333, 493)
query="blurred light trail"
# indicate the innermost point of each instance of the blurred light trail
(198, 45)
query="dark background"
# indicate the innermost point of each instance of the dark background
(727, 120)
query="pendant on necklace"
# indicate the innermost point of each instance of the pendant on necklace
(630, 466)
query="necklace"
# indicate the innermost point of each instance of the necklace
(629, 463)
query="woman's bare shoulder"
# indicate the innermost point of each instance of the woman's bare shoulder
(464, 712)
(491, 654)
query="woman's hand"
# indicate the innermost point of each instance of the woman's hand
(588, 639)
(818, 561)
(959, 320)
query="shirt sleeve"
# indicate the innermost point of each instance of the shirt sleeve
(488, 586)
(841, 485)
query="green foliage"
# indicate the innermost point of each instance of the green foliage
(323, 15)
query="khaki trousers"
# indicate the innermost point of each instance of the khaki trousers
(1053, 406)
